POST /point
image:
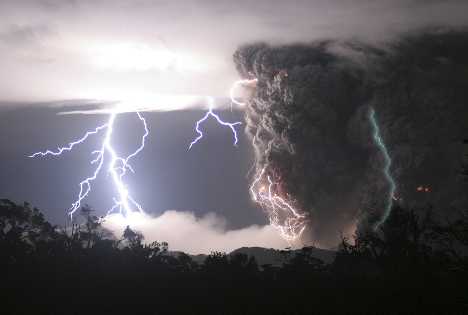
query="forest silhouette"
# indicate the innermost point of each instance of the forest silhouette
(413, 264)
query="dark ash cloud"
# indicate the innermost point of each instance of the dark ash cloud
(310, 126)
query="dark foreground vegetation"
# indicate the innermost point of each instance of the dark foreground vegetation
(412, 265)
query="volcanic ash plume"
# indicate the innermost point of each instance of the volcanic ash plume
(319, 164)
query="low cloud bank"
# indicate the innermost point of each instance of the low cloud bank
(195, 235)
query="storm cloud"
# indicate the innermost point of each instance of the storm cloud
(53, 50)
(309, 123)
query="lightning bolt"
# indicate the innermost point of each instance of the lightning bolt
(282, 216)
(262, 192)
(117, 167)
(218, 119)
(235, 85)
(386, 170)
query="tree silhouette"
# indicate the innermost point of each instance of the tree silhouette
(133, 238)
(417, 261)
(90, 234)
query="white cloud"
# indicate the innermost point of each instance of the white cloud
(185, 232)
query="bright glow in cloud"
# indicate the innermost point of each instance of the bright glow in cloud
(145, 102)
(60, 50)
(123, 57)
(185, 232)
(128, 102)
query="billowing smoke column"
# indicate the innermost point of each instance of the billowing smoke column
(317, 148)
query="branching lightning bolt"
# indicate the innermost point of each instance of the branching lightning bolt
(282, 216)
(117, 167)
(218, 119)
(70, 146)
(386, 170)
(294, 222)
(237, 84)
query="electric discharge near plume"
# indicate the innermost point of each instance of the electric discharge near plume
(245, 82)
(386, 170)
(281, 214)
(287, 220)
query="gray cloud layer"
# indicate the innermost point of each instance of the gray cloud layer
(48, 48)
